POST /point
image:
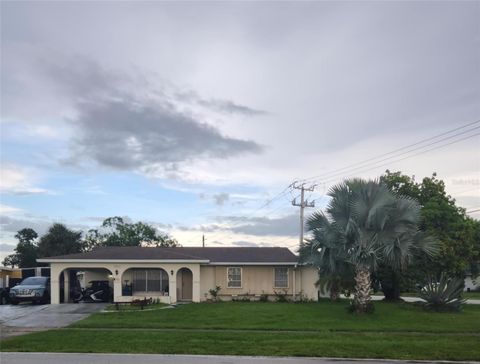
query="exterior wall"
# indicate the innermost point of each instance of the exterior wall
(306, 282)
(207, 272)
(258, 280)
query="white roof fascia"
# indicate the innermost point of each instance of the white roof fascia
(47, 260)
(253, 263)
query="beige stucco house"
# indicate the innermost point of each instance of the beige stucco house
(186, 273)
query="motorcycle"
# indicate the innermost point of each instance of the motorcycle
(96, 291)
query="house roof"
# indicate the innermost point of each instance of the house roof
(212, 255)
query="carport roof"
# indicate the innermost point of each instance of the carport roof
(212, 255)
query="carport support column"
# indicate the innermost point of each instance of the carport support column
(117, 288)
(55, 284)
(172, 286)
(196, 283)
(66, 286)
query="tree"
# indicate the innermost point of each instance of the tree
(457, 234)
(324, 252)
(26, 251)
(374, 225)
(59, 240)
(116, 232)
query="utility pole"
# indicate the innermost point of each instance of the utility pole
(302, 204)
(203, 241)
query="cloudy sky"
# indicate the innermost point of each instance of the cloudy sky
(192, 116)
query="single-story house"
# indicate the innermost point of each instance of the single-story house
(187, 273)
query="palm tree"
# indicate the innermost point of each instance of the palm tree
(373, 226)
(324, 252)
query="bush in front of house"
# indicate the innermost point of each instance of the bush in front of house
(214, 293)
(281, 296)
(444, 294)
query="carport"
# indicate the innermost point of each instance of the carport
(80, 275)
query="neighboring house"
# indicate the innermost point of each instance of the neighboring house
(8, 273)
(10, 276)
(472, 283)
(187, 273)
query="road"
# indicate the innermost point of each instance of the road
(61, 358)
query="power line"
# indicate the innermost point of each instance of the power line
(359, 164)
(409, 156)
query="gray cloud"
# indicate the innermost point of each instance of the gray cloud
(230, 107)
(12, 225)
(220, 105)
(122, 128)
(126, 135)
(221, 198)
(7, 247)
(261, 226)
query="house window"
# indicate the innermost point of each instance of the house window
(150, 280)
(234, 277)
(281, 277)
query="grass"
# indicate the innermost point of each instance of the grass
(396, 331)
(322, 316)
(472, 295)
(369, 345)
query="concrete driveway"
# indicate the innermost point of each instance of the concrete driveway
(23, 318)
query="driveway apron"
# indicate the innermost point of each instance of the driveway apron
(25, 318)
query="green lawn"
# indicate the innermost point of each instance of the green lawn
(322, 316)
(472, 295)
(360, 345)
(396, 331)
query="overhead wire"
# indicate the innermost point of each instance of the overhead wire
(410, 156)
(370, 160)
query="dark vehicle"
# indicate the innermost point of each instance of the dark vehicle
(31, 289)
(96, 291)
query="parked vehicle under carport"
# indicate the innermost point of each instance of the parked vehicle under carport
(31, 289)
(96, 291)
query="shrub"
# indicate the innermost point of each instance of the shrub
(302, 298)
(263, 297)
(241, 299)
(214, 292)
(444, 294)
(281, 296)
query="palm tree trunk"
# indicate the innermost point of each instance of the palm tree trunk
(362, 298)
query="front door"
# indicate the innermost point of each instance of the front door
(184, 282)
